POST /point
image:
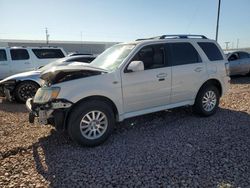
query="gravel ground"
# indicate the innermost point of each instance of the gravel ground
(166, 149)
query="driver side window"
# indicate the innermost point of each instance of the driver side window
(234, 57)
(152, 56)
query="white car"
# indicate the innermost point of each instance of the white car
(21, 86)
(132, 79)
(15, 60)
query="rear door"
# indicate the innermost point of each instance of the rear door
(149, 88)
(4, 64)
(20, 61)
(188, 71)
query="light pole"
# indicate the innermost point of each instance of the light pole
(218, 20)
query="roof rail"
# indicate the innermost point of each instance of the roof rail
(182, 36)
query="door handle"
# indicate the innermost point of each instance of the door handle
(27, 63)
(198, 69)
(162, 75)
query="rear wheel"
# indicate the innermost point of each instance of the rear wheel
(91, 123)
(207, 101)
(25, 90)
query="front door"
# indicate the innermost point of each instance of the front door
(149, 88)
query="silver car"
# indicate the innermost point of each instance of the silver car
(239, 63)
(24, 85)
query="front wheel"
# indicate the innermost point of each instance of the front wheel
(25, 90)
(207, 101)
(91, 123)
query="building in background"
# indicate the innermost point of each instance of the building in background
(69, 46)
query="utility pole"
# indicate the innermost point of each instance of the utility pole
(218, 21)
(227, 45)
(47, 35)
(238, 41)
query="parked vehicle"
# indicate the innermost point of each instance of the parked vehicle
(76, 53)
(14, 60)
(24, 85)
(132, 79)
(239, 63)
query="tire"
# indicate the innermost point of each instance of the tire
(80, 124)
(25, 90)
(203, 108)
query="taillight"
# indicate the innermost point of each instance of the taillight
(227, 69)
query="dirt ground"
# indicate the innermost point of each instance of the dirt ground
(26, 149)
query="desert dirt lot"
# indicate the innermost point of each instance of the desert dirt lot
(172, 148)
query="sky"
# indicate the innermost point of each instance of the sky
(124, 20)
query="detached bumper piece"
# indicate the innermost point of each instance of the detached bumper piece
(53, 112)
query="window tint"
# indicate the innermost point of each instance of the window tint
(243, 55)
(152, 56)
(19, 54)
(211, 50)
(48, 53)
(3, 56)
(183, 53)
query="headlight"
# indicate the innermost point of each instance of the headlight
(45, 94)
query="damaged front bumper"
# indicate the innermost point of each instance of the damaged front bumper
(53, 112)
(6, 90)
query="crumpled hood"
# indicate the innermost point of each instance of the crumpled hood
(22, 75)
(72, 71)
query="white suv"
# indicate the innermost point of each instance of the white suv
(14, 60)
(132, 79)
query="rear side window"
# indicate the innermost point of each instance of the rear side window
(3, 56)
(243, 55)
(183, 53)
(19, 54)
(48, 53)
(211, 50)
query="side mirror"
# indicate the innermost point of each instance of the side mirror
(135, 66)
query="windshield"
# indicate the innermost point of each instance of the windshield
(111, 58)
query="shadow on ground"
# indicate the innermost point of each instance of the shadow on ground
(12, 107)
(172, 148)
(240, 79)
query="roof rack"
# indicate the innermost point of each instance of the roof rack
(175, 37)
